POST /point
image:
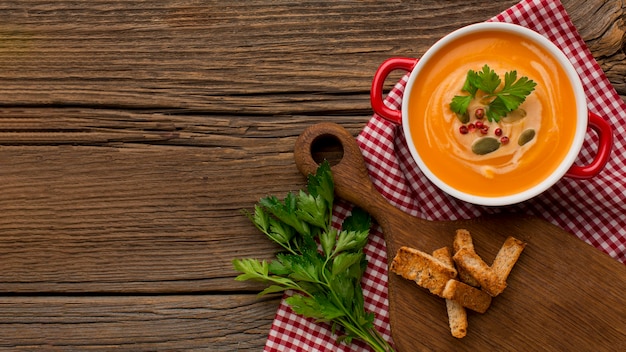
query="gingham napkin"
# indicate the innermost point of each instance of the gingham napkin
(594, 210)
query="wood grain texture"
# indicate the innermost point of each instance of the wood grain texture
(134, 323)
(602, 24)
(132, 133)
(145, 208)
(220, 57)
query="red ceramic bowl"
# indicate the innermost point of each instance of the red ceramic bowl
(476, 179)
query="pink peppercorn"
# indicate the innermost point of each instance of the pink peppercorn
(479, 113)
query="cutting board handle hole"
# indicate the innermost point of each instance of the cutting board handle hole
(327, 147)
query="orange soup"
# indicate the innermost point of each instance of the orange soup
(549, 112)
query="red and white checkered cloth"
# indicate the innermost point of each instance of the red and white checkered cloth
(594, 210)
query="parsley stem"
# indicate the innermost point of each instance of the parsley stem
(350, 322)
(370, 336)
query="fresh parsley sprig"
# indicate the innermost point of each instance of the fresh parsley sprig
(501, 101)
(322, 265)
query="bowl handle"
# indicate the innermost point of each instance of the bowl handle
(605, 143)
(376, 94)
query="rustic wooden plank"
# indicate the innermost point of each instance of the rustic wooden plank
(140, 208)
(602, 25)
(136, 323)
(139, 129)
(271, 57)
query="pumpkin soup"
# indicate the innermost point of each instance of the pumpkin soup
(479, 153)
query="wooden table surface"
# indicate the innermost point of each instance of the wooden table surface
(133, 133)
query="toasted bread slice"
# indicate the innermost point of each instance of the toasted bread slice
(507, 257)
(423, 268)
(466, 277)
(457, 318)
(492, 279)
(463, 239)
(466, 295)
(444, 255)
(488, 279)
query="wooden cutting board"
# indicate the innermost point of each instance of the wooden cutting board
(562, 295)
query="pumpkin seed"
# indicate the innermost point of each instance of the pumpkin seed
(514, 115)
(485, 145)
(526, 136)
(464, 118)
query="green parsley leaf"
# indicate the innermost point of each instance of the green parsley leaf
(260, 218)
(277, 268)
(344, 288)
(460, 103)
(351, 241)
(256, 270)
(321, 184)
(280, 232)
(317, 307)
(345, 260)
(327, 240)
(515, 91)
(272, 289)
(359, 220)
(486, 80)
(312, 210)
(251, 268)
(497, 109)
(503, 99)
(469, 85)
(285, 211)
